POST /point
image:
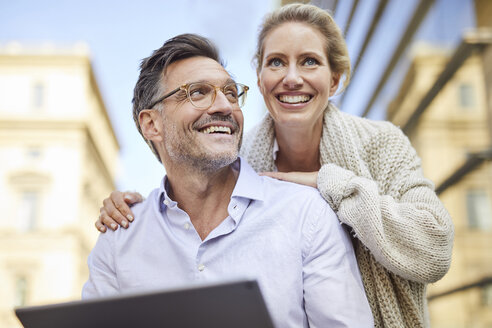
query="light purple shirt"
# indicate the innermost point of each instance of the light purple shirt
(283, 234)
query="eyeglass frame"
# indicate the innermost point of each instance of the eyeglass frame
(185, 87)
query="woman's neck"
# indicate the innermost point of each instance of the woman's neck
(298, 148)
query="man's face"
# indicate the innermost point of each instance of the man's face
(206, 139)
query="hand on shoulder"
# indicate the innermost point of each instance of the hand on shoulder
(116, 210)
(305, 178)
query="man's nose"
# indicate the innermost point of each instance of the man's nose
(221, 104)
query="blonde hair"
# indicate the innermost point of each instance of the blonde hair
(336, 48)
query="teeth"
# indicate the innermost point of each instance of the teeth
(294, 99)
(212, 129)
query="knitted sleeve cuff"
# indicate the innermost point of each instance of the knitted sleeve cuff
(332, 184)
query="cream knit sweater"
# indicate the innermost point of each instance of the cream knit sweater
(371, 176)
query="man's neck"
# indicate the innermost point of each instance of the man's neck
(204, 196)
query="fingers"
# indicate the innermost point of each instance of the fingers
(108, 221)
(305, 178)
(100, 226)
(275, 175)
(115, 211)
(132, 197)
(120, 211)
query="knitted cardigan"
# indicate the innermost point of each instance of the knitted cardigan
(372, 178)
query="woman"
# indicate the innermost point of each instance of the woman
(366, 170)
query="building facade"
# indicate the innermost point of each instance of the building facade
(58, 156)
(451, 135)
(432, 76)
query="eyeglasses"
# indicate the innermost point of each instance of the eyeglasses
(202, 94)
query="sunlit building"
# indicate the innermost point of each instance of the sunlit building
(58, 157)
(445, 106)
(451, 134)
(426, 65)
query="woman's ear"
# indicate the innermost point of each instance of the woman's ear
(258, 82)
(335, 81)
(150, 121)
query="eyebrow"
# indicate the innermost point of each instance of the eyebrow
(281, 54)
(229, 80)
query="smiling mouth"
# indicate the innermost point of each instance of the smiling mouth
(216, 129)
(294, 99)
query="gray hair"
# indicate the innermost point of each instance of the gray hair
(152, 69)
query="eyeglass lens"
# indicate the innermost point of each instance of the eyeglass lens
(202, 95)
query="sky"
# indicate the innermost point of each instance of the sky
(120, 33)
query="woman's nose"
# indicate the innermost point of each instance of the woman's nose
(292, 78)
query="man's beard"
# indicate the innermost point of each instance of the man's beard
(184, 150)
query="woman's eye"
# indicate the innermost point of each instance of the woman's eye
(310, 62)
(275, 62)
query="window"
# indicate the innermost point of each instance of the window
(466, 94)
(33, 153)
(487, 295)
(28, 210)
(479, 210)
(27, 200)
(38, 91)
(20, 291)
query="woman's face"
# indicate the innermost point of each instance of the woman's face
(295, 78)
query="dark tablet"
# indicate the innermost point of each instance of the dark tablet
(226, 305)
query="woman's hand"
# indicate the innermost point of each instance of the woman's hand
(305, 178)
(116, 210)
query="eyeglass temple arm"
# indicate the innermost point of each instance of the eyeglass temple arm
(245, 88)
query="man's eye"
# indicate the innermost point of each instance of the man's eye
(199, 91)
(231, 93)
(196, 92)
(181, 95)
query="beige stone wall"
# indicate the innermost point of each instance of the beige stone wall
(58, 160)
(445, 134)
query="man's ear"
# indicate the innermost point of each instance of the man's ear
(335, 80)
(150, 121)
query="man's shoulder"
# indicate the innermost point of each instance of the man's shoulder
(293, 195)
(280, 185)
(143, 212)
(299, 209)
(149, 203)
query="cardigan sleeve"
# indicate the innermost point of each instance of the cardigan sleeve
(396, 214)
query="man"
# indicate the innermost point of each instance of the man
(213, 217)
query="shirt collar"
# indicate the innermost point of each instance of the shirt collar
(248, 185)
(275, 149)
(163, 195)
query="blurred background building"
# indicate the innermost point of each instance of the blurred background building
(436, 85)
(58, 157)
(450, 130)
(425, 65)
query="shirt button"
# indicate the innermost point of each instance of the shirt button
(187, 226)
(166, 202)
(201, 267)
